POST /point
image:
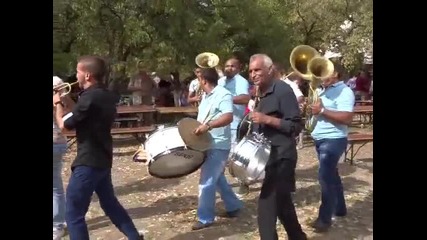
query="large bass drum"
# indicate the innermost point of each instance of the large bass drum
(168, 155)
(249, 157)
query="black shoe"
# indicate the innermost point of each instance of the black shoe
(199, 225)
(231, 214)
(341, 214)
(320, 226)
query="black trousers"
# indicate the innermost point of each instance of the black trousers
(275, 200)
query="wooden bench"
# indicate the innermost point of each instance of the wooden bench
(357, 138)
(134, 131)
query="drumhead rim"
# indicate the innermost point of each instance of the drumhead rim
(167, 152)
(197, 167)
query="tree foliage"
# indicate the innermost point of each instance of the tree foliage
(166, 35)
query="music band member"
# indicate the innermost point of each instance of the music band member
(59, 148)
(194, 88)
(278, 118)
(92, 118)
(334, 112)
(218, 104)
(239, 88)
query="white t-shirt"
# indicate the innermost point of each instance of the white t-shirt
(194, 85)
(294, 87)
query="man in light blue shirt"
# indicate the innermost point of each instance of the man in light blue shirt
(215, 113)
(239, 88)
(334, 113)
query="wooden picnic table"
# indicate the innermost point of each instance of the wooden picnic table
(364, 112)
(174, 113)
(364, 102)
(363, 109)
(174, 110)
(135, 109)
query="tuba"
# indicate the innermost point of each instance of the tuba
(310, 65)
(205, 60)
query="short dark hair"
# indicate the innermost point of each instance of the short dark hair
(210, 75)
(96, 66)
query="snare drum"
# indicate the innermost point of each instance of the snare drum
(248, 158)
(168, 155)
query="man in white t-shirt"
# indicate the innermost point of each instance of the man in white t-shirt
(280, 73)
(194, 87)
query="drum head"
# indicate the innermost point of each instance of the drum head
(176, 164)
(186, 127)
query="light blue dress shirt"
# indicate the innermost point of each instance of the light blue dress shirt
(212, 106)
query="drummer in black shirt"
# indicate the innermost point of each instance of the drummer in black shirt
(92, 118)
(277, 116)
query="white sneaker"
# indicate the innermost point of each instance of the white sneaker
(58, 234)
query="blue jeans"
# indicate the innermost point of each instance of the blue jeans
(83, 182)
(329, 152)
(58, 193)
(212, 179)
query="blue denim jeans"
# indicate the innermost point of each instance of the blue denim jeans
(212, 179)
(83, 182)
(329, 152)
(58, 193)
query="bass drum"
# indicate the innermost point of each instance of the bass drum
(168, 155)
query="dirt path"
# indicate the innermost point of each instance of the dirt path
(165, 209)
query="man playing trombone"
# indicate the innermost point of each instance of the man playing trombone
(215, 113)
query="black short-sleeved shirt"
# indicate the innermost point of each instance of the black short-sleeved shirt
(92, 118)
(279, 101)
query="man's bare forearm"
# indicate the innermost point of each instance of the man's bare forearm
(338, 117)
(242, 99)
(222, 121)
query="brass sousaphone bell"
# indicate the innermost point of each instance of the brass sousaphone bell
(310, 65)
(207, 60)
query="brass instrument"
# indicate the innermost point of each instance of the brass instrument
(310, 65)
(205, 60)
(245, 126)
(199, 93)
(62, 86)
(256, 102)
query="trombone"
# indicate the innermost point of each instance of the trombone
(62, 86)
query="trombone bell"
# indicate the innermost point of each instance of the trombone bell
(207, 60)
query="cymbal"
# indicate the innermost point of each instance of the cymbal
(186, 127)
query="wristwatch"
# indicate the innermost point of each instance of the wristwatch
(209, 126)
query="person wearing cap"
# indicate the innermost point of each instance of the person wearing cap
(59, 148)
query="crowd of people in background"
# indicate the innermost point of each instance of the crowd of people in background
(150, 89)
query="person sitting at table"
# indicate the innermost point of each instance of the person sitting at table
(143, 89)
